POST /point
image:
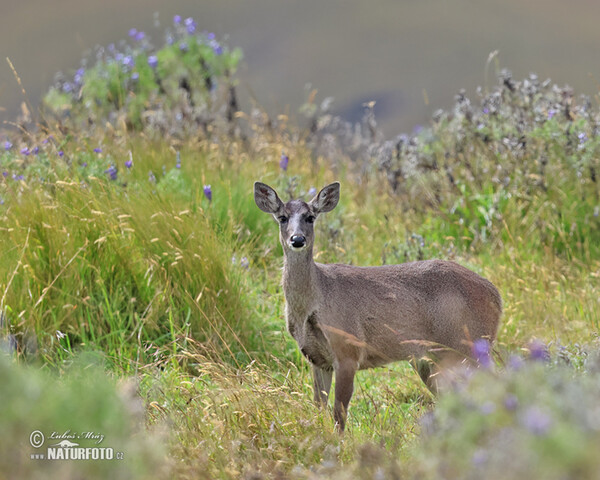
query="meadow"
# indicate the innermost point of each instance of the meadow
(140, 288)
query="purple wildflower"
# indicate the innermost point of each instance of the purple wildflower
(480, 457)
(488, 408)
(128, 61)
(153, 61)
(208, 192)
(97, 150)
(178, 160)
(129, 163)
(177, 19)
(538, 351)
(133, 32)
(244, 263)
(135, 76)
(515, 362)
(216, 46)
(5, 174)
(190, 25)
(61, 153)
(481, 352)
(183, 46)
(139, 36)
(25, 151)
(35, 150)
(312, 192)
(151, 177)
(67, 87)
(112, 172)
(511, 402)
(7, 145)
(551, 113)
(283, 163)
(536, 421)
(78, 79)
(84, 164)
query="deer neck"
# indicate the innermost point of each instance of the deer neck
(300, 279)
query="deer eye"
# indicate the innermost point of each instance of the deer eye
(310, 219)
(283, 219)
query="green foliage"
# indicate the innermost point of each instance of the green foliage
(178, 87)
(81, 400)
(131, 266)
(528, 421)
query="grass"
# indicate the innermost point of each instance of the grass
(179, 295)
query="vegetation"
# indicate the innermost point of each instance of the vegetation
(129, 233)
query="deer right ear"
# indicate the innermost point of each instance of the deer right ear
(266, 198)
(327, 199)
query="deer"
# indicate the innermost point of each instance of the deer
(347, 318)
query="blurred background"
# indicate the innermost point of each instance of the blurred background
(410, 56)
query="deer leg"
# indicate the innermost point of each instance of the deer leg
(344, 387)
(426, 371)
(321, 385)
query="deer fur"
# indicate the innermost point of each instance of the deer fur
(348, 318)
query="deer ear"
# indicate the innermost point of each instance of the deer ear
(266, 198)
(327, 199)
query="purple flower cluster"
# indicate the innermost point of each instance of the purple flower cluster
(208, 192)
(137, 35)
(153, 61)
(190, 25)
(112, 172)
(481, 350)
(284, 161)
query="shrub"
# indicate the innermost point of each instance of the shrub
(530, 420)
(184, 86)
(84, 407)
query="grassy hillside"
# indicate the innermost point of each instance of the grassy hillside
(129, 233)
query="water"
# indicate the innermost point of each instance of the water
(410, 56)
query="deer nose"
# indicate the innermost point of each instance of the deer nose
(298, 241)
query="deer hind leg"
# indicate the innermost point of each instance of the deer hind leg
(321, 385)
(428, 371)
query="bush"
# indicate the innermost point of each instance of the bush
(531, 420)
(86, 405)
(185, 85)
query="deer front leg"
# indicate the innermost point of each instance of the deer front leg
(344, 387)
(321, 385)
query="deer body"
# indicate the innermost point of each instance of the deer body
(348, 318)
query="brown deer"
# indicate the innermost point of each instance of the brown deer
(348, 318)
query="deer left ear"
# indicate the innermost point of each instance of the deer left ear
(266, 198)
(327, 199)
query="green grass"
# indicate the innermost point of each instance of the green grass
(142, 272)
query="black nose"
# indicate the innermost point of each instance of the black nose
(298, 241)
